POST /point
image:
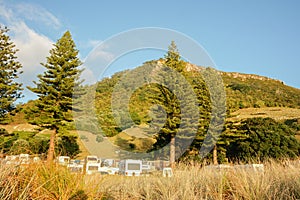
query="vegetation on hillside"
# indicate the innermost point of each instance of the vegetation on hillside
(252, 91)
(265, 138)
(242, 91)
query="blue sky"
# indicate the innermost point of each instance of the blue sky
(258, 37)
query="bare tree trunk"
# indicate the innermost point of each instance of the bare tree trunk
(172, 152)
(51, 149)
(215, 156)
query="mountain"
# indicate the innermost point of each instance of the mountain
(255, 91)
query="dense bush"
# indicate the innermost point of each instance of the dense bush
(30, 142)
(265, 138)
(3, 132)
(67, 146)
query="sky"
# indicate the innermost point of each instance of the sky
(256, 37)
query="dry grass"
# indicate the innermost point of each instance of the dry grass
(191, 182)
(278, 181)
(277, 113)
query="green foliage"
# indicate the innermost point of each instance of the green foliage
(177, 97)
(103, 98)
(243, 88)
(39, 144)
(9, 72)
(3, 132)
(30, 142)
(67, 146)
(246, 91)
(18, 142)
(265, 138)
(57, 88)
(20, 146)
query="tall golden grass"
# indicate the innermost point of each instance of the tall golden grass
(278, 181)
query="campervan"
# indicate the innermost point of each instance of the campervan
(91, 167)
(75, 167)
(92, 159)
(63, 160)
(130, 167)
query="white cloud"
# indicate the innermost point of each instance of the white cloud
(101, 54)
(96, 62)
(37, 13)
(91, 44)
(33, 47)
(88, 76)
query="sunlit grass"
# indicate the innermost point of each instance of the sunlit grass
(278, 181)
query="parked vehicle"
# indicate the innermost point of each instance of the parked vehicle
(91, 167)
(75, 167)
(63, 160)
(109, 170)
(12, 160)
(130, 167)
(92, 159)
(24, 159)
(108, 162)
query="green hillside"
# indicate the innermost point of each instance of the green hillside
(248, 91)
(242, 91)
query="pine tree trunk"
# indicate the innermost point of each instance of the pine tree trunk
(172, 152)
(50, 155)
(215, 156)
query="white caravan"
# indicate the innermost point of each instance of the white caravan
(91, 159)
(130, 167)
(76, 166)
(91, 168)
(63, 160)
(92, 164)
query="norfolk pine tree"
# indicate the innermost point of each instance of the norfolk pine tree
(218, 112)
(10, 90)
(55, 90)
(177, 101)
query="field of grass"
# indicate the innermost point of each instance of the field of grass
(277, 113)
(278, 181)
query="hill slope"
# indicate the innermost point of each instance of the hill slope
(242, 91)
